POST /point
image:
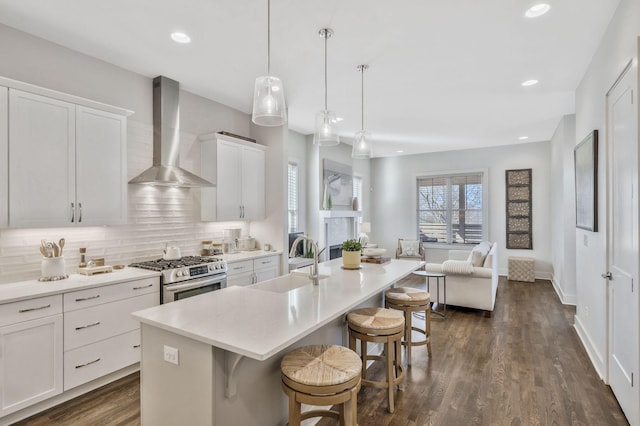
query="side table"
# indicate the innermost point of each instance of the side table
(437, 276)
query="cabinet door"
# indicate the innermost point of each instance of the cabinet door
(30, 362)
(228, 181)
(101, 168)
(41, 161)
(253, 184)
(266, 274)
(4, 157)
(240, 279)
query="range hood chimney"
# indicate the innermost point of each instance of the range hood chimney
(166, 140)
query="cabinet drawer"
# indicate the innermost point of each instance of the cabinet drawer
(109, 293)
(236, 268)
(25, 310)
(89, 362)
(265, 262)
(85, 326)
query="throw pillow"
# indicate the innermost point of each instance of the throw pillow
(409, 247)
(479, 252)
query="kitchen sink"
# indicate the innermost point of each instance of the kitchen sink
(286, 283)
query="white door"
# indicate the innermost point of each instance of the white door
(41, 161)
(622, 125)
(253, 184)
(101, 167)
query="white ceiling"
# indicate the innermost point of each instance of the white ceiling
(442, 74)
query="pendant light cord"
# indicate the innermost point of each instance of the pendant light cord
(326, 36)
(268, 37)
(362, 93)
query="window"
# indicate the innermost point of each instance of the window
(293, 196)
(357, 190)
(450, 208)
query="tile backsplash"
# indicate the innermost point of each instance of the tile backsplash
(156, 215)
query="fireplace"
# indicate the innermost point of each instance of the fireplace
(335, 251)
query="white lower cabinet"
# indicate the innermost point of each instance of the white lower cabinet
(30, 352)
(103, 338)
(252, 271)
(86, 363)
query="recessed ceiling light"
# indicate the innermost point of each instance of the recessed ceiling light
(179, 37)
(537, 10)
(523, 137)
(339, 119)
(529, 83)
(400, 151)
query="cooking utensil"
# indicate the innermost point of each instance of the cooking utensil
(61, 244)
(43, 251)
(171, 253)
(49, 248)
(56, 250)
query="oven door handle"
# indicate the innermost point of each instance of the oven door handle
(197, 283)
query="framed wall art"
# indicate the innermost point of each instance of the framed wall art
(586, 169)
(518, 204)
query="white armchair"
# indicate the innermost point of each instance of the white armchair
(472, 277)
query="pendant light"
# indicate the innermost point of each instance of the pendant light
(326, 133)
(269, 108)
(362, 146)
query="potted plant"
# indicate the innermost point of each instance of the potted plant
(351, 254)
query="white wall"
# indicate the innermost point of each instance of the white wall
(394, 196)
(156, 215)
(563, 212)
(619, 46)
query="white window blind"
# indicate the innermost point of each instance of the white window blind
(450, 208)
(293, 196)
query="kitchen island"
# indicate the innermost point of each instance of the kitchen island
(214, 359)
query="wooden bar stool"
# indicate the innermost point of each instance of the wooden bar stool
(410, 300)
(379, 325)
(322, 375)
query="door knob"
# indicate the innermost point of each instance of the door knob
(607, 275)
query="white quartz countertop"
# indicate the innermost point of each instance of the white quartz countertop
(22, 290)
(248, 254)
(259, 321)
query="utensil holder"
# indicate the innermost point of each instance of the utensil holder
(53, 267)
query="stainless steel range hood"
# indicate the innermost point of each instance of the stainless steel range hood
(166, 140)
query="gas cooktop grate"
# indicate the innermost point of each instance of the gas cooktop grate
(161, 264)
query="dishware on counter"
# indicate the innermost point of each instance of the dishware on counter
(247, 243)
(267, 247)
(373, 252)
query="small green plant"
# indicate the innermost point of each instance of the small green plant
(351, 245)
(308, 254)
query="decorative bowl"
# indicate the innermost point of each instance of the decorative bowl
(373, 252)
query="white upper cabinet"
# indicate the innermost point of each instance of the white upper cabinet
(4, 157)
(238, 169)
(67, 163)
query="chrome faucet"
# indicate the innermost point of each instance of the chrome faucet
(313, 273)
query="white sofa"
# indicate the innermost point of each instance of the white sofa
(468, 285)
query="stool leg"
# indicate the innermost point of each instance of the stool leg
(427, 327)
(294, 410)
(390, 371)
(350, 409)
(407, 334)
(398, 360)
(363, 349)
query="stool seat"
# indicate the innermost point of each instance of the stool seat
(407, 294)
(321, 365)
(322, 375)
(378, 319)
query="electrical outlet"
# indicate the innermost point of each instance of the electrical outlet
(171, 355)
(585, 240)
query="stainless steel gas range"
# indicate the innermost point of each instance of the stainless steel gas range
(188, 276)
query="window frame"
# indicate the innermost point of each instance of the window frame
(297, 189)
(448, 174)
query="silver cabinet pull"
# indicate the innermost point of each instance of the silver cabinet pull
(73, 212)
(82, 299)
(136, 346)
(88, 363)
(143, 286)
(34, 309)
(80, 212)
(88, 325)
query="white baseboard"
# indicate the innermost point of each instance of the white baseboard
(596, 357)
(565, 299)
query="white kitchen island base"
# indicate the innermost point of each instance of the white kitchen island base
(231, 342)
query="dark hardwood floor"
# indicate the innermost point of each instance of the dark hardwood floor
(522, 366)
